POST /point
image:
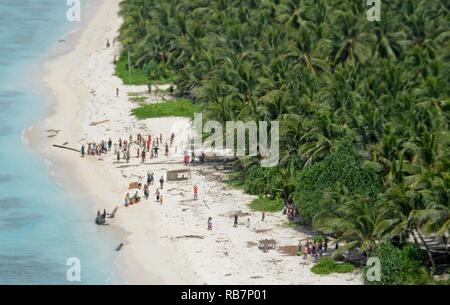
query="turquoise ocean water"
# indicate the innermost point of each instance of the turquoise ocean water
(41, 225)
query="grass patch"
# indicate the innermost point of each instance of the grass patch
(180, 107)
(327, 265)
(234, 181)
(153, 72)
(138, 99)
(136, 77)
(291, 224)
(263, 203)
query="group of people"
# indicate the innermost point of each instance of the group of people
(96, 149)
(101, 217)
(290, 209)
(146, 147)
(146, 190)
(315, 249)
(236, 216)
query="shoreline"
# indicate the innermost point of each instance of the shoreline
(63, 106)
(159, 247)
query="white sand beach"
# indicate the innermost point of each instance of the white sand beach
(168, 243)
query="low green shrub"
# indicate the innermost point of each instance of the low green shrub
(180, 108)
(327, 265)
(261, 181)
(264, 203)
(399, 266)
(152, 72)
(136, 77)
(340, 167)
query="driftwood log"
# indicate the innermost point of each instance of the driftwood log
(65, 147)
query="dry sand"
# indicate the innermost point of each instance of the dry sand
(168, 243)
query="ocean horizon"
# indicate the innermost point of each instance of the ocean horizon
(43, 226)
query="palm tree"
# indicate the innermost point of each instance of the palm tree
(326, 74)
(353, 218)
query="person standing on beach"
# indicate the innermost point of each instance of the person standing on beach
(161, 182)
(166, 150)
(248, 223)
(305, 251)
(109, 144)
(149, 142)
(149, 178)
(160, 138)
(172, 137)
(235, 220)
(117, 92)
(146, 191)
(196, 192)
(161, 199)
(157, 193)
(210, 223)
(263, 216)
(82, 150)
(143, 155)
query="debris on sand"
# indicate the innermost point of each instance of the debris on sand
(97, 123)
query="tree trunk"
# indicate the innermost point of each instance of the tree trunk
(444, 239)
(427, 249)
(415, 238)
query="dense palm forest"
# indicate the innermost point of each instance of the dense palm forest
(363, 106)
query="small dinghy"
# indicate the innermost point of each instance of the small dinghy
(100, 220)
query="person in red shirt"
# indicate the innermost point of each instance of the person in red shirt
(196, 192)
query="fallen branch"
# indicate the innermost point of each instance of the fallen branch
(96, 123)
(190, 236)
(65, 147)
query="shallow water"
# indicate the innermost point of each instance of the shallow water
(41, 225)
